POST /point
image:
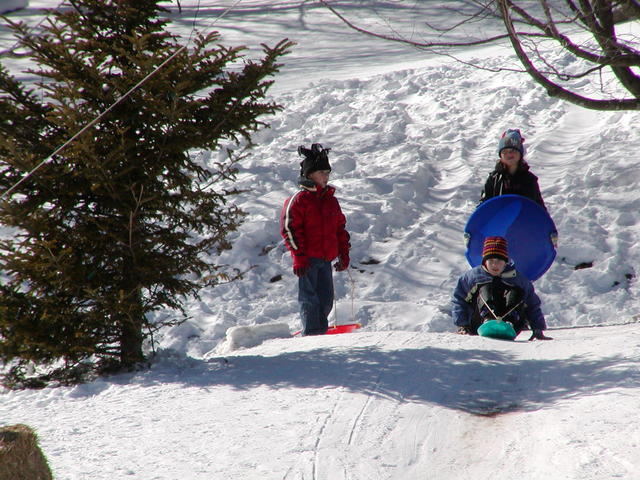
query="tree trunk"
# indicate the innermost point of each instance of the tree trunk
(131, 342)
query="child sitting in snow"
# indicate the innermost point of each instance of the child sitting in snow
(313, 227)
(495, 290)
(511, 174)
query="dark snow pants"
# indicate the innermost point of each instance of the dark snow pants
(315, 295)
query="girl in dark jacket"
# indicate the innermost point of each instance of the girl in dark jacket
(511, 174)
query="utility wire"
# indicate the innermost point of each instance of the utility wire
(107, 110)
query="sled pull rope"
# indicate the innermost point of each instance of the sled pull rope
(335, 301)
(353, 295)
(494, 313)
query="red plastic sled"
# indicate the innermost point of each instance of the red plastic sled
(335, 329)
(348, 328)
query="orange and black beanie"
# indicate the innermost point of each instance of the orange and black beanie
(495, 247)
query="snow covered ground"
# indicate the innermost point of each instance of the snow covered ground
(413, 140)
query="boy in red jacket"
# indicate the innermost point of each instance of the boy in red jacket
(313, 227)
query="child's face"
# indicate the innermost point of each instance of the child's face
(510, 157)
(320, 177)
(495, 266)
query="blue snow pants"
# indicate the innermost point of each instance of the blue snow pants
(315, 295)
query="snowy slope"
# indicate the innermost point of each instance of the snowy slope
(402, 398)
(383, 405)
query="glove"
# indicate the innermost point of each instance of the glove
(463, 330)
(342, 264)
(539, 335)
(300, 271)
(300, 265)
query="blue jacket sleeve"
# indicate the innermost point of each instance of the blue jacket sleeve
(461, 310)
(533, 308)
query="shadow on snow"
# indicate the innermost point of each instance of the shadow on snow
(475, 381)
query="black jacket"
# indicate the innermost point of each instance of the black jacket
(523, 182)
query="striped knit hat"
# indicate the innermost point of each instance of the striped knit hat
(495, 247)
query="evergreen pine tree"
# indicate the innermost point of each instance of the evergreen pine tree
(124, 220)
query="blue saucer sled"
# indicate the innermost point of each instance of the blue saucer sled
(528, 228)
(531, 235)
(497, 329)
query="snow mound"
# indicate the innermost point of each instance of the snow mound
(246, 336)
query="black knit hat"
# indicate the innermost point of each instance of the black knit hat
(315, 159)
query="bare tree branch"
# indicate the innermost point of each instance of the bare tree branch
(413, 43)
(553, 89)
(588, 30)
(549, 29)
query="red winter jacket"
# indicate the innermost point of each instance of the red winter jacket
(313, 225)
